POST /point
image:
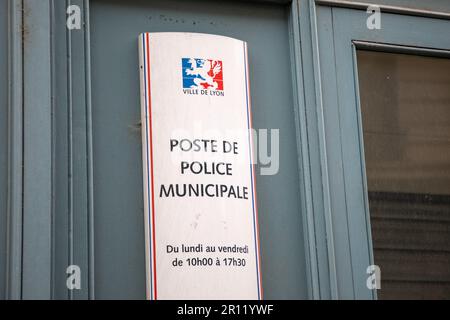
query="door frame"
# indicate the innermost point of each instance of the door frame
(15, 153)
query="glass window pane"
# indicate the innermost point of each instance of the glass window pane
(405, 105)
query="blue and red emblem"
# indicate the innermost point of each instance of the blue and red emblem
(202, 74)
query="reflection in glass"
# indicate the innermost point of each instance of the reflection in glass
(405, 106)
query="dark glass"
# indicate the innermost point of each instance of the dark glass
(405, 106)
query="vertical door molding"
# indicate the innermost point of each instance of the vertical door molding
(303, 152)
(15, 155)
(57, 152)
(37, 150)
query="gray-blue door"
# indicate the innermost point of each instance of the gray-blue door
(386, 91)
(118, 202)
(70, 148)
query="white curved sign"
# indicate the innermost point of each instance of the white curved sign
(201, 218)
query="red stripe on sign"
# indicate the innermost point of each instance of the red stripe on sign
(151, 166)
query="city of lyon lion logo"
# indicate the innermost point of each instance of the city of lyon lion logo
(202, 74)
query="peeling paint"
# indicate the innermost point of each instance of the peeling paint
(179, 20)
(135, 127)
(25, 27)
